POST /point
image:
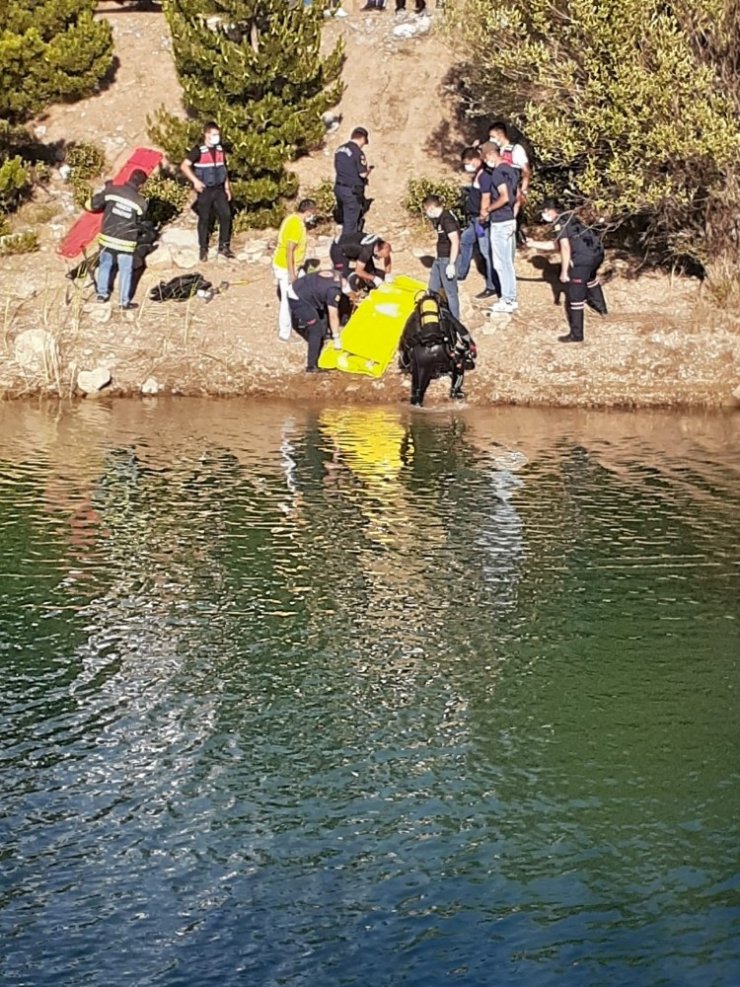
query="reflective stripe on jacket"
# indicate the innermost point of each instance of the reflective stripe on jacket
(211, 167)
(122, 208)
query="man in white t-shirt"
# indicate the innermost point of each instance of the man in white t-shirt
(516, 156)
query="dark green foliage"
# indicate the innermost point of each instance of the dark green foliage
(86, 160)
(258, 71)
(167, 198)
(419, 188)
(50, 50)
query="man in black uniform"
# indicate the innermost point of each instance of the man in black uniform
(352, 173)
(581, 256)
(370, 255)
(205, 168)
(314, 300)
(443, 276)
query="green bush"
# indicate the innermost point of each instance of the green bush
(81, 190)
(50, 50)
(86, 160)
(167, 198)
(19, 243)
(263, 77)
(419, 188)
(323, 195)
(15, 182)
(631, 106)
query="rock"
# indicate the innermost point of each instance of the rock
(162, 257)
(64, 172)
(265, 260)
(186, 239)
(150, 386)
(99, 312)
(185, 258)
(36, 350)
(413, 29)
(420, 252)
(92, 381)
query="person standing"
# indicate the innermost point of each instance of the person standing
(290, 253)
(205, 167)
(123, 209)
(314, 305)
(497, 208)
(475, 233)
(443, 276)
(581, 256)
(351, 176)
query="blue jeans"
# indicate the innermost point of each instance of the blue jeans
(125, 264)
(476, 235)
(438, 281)
(503, 248)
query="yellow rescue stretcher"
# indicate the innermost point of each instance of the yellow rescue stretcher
(370, 338)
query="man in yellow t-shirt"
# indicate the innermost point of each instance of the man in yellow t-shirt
(289, 254)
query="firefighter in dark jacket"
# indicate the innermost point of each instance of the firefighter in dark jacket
(581, 256)
(123, 208)
(352, 173)
(205, 167)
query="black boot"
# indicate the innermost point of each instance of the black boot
(595, 297)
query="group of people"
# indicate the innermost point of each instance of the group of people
(309, 302)
(488, 224)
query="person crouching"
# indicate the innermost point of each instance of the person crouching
(314, 306)
(367, 256)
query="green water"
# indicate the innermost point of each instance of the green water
(298, 696)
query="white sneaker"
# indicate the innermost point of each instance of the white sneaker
(504, 308)
(340, 12)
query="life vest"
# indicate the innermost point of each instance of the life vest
(211, 168)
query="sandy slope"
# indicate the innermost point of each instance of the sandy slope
(661, 344)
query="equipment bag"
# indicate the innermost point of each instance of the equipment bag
(181, 288)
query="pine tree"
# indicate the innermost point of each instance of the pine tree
(50, 50)
(255, 67)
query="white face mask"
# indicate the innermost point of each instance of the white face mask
(471, 169)
(214, 139)
(433, 215)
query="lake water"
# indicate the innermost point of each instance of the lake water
(359, 696)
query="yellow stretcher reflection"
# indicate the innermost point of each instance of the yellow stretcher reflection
(370, 338)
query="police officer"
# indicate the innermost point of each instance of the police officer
(314, 301)
(370, 255)
(352, 172)
(581, 256)
(123, 209)
(205, 168)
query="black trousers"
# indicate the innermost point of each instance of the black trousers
(429, 362)
(312, 324)
(349, 205)
(583, 289)
(210, 201)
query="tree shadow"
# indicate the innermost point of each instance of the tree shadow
(122, 6)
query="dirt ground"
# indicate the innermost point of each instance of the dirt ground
(662, 343)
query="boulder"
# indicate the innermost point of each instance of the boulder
(36, 350)
(161, 257)
(150, 386)
(185, 258)
(186, 239)
(413, 29)
(92, 381)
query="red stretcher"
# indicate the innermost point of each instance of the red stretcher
(88, 225)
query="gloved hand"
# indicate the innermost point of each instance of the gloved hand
(337, 342)
(377, 281)
(450, 272)
(389, 279)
